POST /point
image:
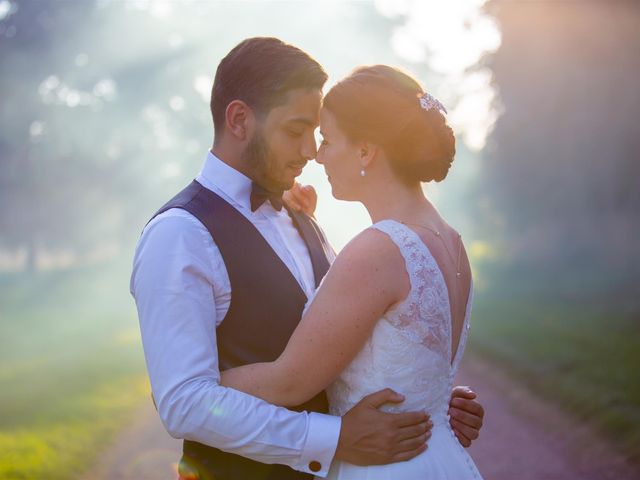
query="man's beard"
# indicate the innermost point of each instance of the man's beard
(259, 157)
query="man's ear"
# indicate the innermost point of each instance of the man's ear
(239, 120)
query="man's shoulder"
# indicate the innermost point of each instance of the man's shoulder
(173, 217)
(172, 225)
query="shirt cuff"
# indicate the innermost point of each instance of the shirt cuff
(320, 446)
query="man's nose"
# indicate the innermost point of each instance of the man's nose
(309, 149)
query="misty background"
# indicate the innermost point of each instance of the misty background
(104, 116)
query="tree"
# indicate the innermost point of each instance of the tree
(562, 166)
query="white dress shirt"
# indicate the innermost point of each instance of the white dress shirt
(182, 292)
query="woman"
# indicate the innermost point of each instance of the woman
(393, 309)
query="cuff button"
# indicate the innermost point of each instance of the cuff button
(315, 466)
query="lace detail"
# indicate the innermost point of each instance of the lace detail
(410, 346)
(424, 294)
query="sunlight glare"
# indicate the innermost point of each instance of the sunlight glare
(202, 84)
(6, 9)
(451, 38)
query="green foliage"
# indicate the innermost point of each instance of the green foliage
(560, 174)
(60, 444)
(71, 370)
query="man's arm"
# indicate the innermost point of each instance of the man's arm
(173, 283)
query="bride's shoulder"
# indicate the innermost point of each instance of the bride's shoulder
(372, 263)
(372, 250)
(368, 241)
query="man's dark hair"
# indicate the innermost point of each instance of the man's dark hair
(261, 71)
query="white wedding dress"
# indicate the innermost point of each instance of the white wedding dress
(410, 351)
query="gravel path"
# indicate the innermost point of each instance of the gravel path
(526, 438)
(523, 438)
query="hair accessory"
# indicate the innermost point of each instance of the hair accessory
(428, 101)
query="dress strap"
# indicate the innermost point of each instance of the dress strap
(411, 248)
(405, 239)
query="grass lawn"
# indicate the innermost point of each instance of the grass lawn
(582, 355)
(71, 370)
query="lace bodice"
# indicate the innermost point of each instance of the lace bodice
(410, 347)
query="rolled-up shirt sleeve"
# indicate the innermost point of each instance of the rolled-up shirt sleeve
(173, 283)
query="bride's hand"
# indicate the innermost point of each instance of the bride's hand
(301, 198)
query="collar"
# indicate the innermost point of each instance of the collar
(217, 175)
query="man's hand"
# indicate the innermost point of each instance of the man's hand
(371, 437)
(303, 199)
(466, 415)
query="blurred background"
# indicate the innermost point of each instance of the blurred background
(104, 115)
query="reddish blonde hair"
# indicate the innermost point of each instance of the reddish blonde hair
(381, 104)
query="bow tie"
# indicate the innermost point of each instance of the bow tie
(259, 195)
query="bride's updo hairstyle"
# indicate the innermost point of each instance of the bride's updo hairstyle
(381, 104)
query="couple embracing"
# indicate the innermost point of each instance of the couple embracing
(272, 357)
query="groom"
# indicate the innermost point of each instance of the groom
(221, 275)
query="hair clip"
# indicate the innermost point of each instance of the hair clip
(428, 101)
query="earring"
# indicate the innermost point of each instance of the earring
(362, 173)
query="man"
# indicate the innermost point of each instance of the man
(222, 273)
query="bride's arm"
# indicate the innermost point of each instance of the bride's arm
(365, 280)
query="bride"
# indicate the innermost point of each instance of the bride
(393, 310)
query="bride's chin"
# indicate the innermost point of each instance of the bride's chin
(336, 193)
(341, 196)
